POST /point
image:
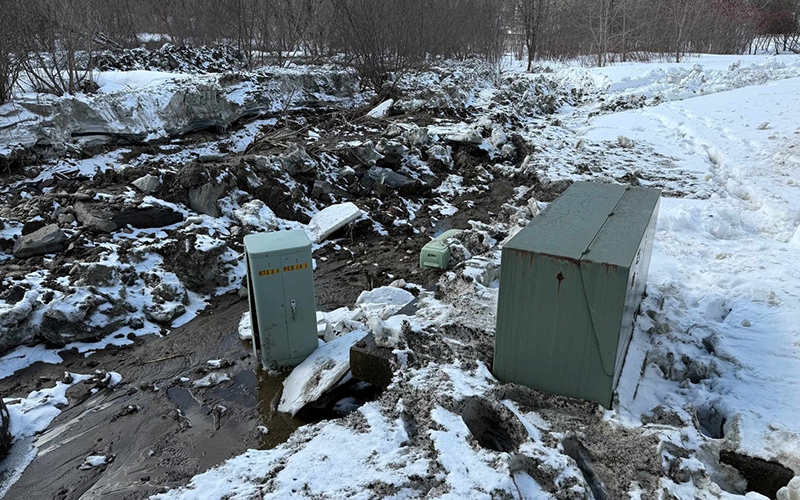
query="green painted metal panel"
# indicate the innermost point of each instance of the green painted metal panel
(570, 284)
(436, 253)
(281, 290)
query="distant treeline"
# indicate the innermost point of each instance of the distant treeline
(52, 42)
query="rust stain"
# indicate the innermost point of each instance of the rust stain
(560, 278)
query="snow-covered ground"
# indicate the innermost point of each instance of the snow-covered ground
(714, 363)
(717, 344)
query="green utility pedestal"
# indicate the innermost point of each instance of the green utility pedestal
(436, 253)
(570, 286)
(280, 279)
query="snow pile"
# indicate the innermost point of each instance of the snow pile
(30, 416)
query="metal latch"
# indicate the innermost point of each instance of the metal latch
(294, 309)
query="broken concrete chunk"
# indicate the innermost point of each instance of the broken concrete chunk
(331, 219)
(318, 373)
(49, 239)
(382, 109)
(147, 184)
(204, 198)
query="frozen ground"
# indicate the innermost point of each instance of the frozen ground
(714, 365)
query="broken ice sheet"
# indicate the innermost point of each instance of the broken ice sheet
(318, 373)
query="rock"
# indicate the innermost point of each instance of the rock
(382, 109)
(296, 161)
(441, 154)
(98, 275)
(371, 363)
(204, 199)
(464, 135)
(164, 313)
(321, 189)
(147, 184)
(625, 142)
(66, 219)
(12, 316)
(318, 373)
(48, 239)
(366, 154)
(102, 217)
(417, 137)
(5, 434)
(391, 148)
(80, 316)
(386, 179)
(331, 219)
(257, 215)
(32, 226)
(498, 138)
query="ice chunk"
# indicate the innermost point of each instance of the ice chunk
(211, 379)
(245, 327)
(382, 109)
(384, 301)
(318, 373)
(94, 461)
(331, 219)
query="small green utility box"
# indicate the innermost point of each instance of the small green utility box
(280, 280)
(436, 253)
(570, 286)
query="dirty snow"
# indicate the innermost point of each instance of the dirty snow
(30, 416)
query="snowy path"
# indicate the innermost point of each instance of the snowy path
(724, 281)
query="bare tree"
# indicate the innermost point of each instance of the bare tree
(11, 46)
(61, 36)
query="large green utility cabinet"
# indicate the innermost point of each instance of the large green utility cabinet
(570, 286)
(280, 279)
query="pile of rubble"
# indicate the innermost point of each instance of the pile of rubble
(173, 58)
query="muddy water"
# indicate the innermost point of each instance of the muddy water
(176, 431)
